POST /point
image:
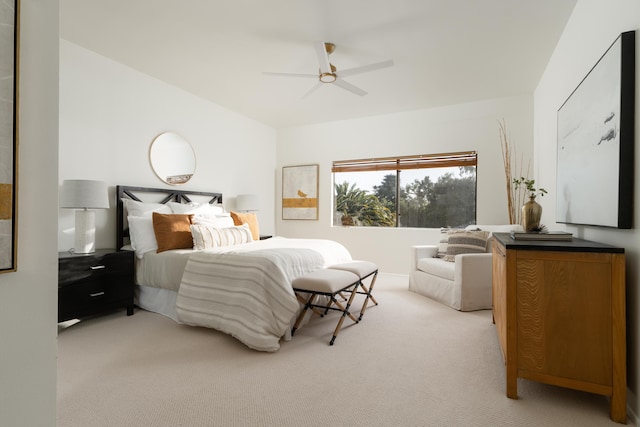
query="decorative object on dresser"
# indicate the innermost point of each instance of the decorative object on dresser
(559, 311)
(546, 235)
(595, 167)
(82, 195)
(531, 210)
(90, 284)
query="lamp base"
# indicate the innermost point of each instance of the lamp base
(85, 233)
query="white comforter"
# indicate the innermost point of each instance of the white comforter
(246, 291)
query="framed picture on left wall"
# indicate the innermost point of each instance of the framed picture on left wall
(9, 55)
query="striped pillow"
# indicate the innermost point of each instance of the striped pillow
(466, 242)
(207, 237)
(445, 232)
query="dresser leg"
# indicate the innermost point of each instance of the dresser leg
(512, 382)
(130, 310)
(618, 406)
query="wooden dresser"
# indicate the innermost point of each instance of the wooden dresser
(559, 310)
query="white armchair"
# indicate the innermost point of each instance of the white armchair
(464, 284)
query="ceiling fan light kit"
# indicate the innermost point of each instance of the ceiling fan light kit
(328, 73)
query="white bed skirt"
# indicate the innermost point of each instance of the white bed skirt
(157, 300)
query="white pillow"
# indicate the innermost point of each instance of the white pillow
(207, 237)
(204, 210)
(141, 234)
(217, 221)
(141, 209)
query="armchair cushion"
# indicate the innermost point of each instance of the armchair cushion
(437, 267)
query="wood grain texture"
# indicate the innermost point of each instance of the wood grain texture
(560, 318)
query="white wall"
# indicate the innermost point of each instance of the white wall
(593, 26)
(110, 114)
(28, 310)
(472, 126)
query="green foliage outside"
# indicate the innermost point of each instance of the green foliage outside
(449, 202)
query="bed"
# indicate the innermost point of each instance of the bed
(227, 281)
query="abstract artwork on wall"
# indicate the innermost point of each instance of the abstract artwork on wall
(9, 13)
(300, 192)
(595, 142)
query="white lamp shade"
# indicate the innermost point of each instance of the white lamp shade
(247, 202)
(84, 194)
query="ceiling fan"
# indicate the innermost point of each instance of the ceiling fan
(329, 74)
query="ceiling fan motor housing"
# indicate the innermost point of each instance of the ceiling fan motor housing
(328, 77)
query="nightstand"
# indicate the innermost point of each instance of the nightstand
(89, 284)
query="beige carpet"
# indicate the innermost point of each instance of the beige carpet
(411, 362)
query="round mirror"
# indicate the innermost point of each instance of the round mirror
(172, 158)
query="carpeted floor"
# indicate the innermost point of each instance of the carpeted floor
(410, 362)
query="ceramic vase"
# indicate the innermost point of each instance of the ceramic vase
(531, 213)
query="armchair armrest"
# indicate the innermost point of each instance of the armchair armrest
(422, 251)
(477, 266)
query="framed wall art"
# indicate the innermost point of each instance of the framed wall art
(596, 142)
(300, 192)
(9, 41)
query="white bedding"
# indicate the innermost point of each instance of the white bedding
(164, 270)
(242, 290)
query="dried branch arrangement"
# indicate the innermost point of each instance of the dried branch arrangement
(515, 196)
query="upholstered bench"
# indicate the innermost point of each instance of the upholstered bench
(363, 269)
(328, 283)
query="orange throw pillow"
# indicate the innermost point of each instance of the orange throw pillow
(247, 218)
(172, 231)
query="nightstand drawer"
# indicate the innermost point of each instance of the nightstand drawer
(92, 296)
(82, 267)
(93, 283)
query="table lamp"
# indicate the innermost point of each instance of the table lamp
(247, 202)
(82, 194)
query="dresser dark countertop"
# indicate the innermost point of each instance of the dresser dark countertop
(574, 245)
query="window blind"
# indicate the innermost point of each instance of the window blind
(443, 160)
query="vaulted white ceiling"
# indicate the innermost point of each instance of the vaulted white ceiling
(445, 51)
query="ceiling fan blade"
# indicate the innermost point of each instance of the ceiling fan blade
(348, 86)
(313, 89)
(268, 73)
(365, 68)
(323, 57)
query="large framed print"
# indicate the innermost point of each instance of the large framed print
(596, 143)
(300, 192)
(9, 43)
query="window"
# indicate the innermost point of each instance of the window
(426, 191)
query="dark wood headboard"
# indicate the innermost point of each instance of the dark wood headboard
(154, 195)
